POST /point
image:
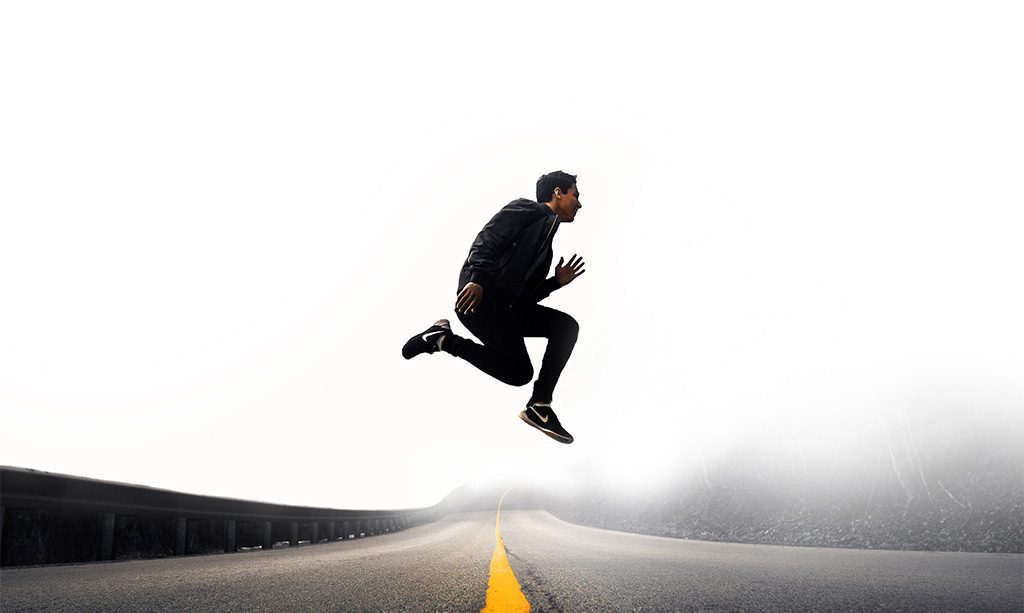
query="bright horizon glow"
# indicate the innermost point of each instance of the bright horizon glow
(219, 223)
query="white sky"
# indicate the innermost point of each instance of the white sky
(221, 221)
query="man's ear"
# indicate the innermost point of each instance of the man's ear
(558, 192)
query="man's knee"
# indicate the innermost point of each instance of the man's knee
(571, 328)
(521, 375)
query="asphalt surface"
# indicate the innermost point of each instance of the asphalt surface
(441, 566)
(561, 567)
(564, 567)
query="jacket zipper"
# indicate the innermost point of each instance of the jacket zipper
(543, 243)
(551, 231)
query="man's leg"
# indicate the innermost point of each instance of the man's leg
(561, 330)
(503, 353)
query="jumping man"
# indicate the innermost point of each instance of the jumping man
(501, 282)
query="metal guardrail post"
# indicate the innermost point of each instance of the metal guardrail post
(180, 526)
(229, 536)
(293, 536)
(346, 532)
(330, 531)
(268, 541)
(107, 537)
(315, 537)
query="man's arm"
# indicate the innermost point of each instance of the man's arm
(563, 276)
(545, 288)
(494, 239)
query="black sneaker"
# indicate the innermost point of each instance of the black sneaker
(426, 341)
(540, 416)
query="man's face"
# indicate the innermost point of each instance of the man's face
(567, 204)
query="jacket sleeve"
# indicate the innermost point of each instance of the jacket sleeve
(545, 288)
(494, 240)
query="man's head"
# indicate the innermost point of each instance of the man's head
(558, 191)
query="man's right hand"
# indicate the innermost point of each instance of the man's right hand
(469, 298)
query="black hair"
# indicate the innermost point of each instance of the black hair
(547, 183)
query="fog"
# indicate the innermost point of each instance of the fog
(220, 222)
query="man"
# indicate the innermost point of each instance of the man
(501, 282)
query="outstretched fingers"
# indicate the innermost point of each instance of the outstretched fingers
(577, 267)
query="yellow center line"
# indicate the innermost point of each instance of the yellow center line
(503, 591)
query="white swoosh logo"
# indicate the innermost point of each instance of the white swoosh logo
(539, 416)
(424, 337)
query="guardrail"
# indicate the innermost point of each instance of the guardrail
(48, 518)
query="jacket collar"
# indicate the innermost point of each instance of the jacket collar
(547, 209)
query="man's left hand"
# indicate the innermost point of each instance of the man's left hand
(565, 274)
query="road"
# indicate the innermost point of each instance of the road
(445, 566)
(568, 567)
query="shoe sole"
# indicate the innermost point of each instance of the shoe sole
(446, 328)
(554, 435)
(409, 357)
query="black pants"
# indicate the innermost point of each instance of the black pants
(503, 352)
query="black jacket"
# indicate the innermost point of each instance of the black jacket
(512, 254)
